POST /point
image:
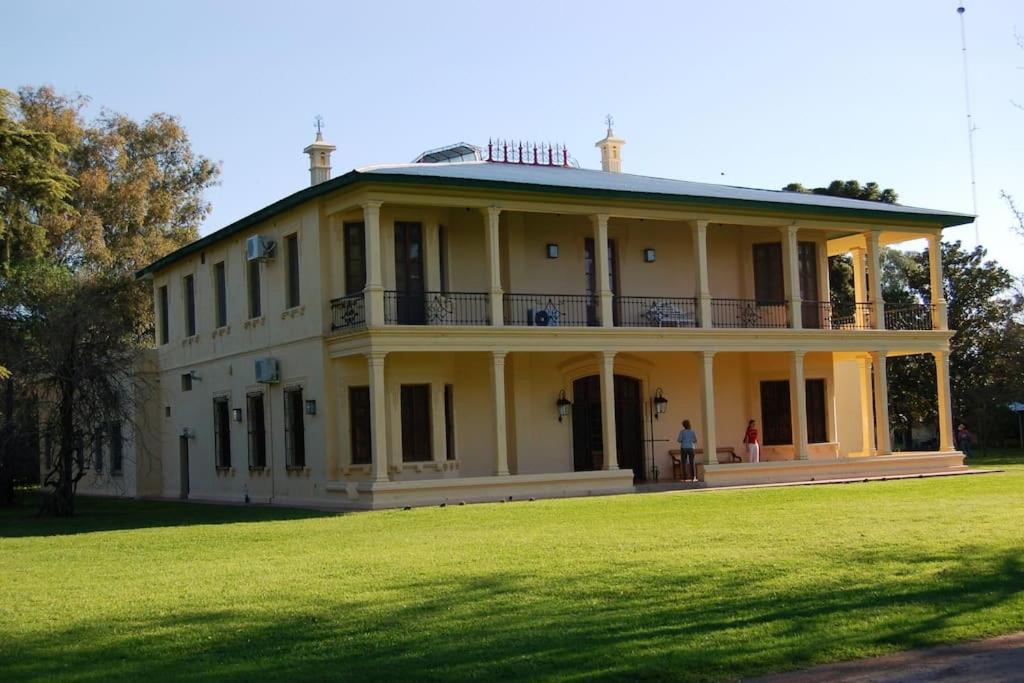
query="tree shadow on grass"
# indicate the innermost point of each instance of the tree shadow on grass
(117, 514)
(510, 626)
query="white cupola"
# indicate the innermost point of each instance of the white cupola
(319, 156)
(611, 149)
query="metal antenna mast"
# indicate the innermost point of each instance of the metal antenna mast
(970, 121)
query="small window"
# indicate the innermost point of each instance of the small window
(359, 425)
(416, 446)
(186, 385)
(97, 449)
(291, 247)
(355, 257)
(449, 422)
(257, 431)
(167, 411)
(768, 286)
(222, 432)
(294, 428)
(817, 423)
(161, 305)
(189, 287)
(116, 449)
(255, 309)
(220, 287)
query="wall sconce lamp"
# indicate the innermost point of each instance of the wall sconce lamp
(310, 406)
(194, 375)
(649, 255)
(660, 403)
(563, 405)
(236, 414)
(552, 250)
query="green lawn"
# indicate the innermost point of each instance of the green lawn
(707, 585)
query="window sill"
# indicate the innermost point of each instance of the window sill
(225, 471)
(426, 466)
(254, 322)
(293, 312)
(297, 470)
(188, 341)
(221, 331)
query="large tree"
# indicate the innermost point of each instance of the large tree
(85, 203)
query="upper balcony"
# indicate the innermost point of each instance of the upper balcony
(456, 267)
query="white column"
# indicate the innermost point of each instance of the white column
(374, 292)
(492, 214)
(798, 404)
(867, 417)
(791, 275)
(859, 288)
(611, 453)
(939, 319)
(601, 284)
(878, 365)
(706, 361)
(378, 417)
(500, 428)
(700, 261)
(875, 280)
(945, 403)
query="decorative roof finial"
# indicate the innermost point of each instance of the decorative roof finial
(609, 120)
(319, 125)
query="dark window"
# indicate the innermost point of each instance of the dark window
(449, 422)
(222, 432)
(817, 429)
(776, 424)
(590, 275)
(220, 283)
(255, 309)
(294, 428)
(291, 244)
(416, 446)
(257, 430)
(355, 257)
(161, 304)
(190, 305)
(442, 256)
(186, 381)
(768, 287)
(97, 449)
(409, 273)
(116, 449)
(359, 425)
(807, 256)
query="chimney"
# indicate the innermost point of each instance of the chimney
(611, 149)
(319, 157)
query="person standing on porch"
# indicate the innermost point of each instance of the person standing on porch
(963, 440)
(687, 442)
(753, 441)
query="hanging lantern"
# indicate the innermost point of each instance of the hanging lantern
(660, 403)
(563, 405)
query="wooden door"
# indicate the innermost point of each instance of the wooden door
(183, 457)
(808, 266)
(409, 286)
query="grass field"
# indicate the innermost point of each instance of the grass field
(707, 585)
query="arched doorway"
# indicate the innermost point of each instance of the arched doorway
(587, 440)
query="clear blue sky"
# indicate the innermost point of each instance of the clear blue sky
(746, 93)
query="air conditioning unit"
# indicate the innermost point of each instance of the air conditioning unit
(267, 371)
(259, 248)
(539, 317)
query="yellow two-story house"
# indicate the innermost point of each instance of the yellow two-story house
(484, 325)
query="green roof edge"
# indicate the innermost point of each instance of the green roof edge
(945, 219)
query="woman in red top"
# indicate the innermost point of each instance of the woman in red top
(753, 441)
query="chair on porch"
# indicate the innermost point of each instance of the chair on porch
(677, 463)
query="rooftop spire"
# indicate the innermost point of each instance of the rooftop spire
(611, 149)
(319, 155)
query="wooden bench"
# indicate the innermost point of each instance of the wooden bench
(677, 462)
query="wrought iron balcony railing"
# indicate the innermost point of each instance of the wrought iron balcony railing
(748, 313)
(829, 315)
(908, 316)
(550, 310)
(655, 311)
(348, 312)
(436, 308)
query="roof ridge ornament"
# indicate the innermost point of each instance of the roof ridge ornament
(502, 151)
